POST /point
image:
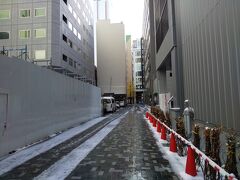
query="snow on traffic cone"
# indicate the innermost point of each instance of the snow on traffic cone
(163, 135)
(159, 127)
(154, 122)
(190, 164)
(173, 145)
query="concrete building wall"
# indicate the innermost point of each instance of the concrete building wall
(111, 58)
(210, 42)
(36, 102)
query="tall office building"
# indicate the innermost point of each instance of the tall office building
(111, 58)
(56, 33)
(137, 70)
(197, 56)
(148, 54)
(102, 9)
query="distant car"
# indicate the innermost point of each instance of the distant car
(122, 103)
(108, 104)
(117, 104)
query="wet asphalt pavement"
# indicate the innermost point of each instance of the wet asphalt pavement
(128, 152)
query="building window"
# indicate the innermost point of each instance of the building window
(79, 36)
(24, 34)
(70, 26)
(64, 38)
(40, 54)
(65, 1)
(162, 24)
(40, 33)
(138, 53)
(74, 15)
(70, 8)
(78, 20)
(78, 5)
(138, 60)
(4, 35)
(40, 12)
(64, 58)
(75, 31)
(70, 62)
(64, 19)
(4, 14)
(139, 73)
(84, 15)
(70, 43)
(25, 13)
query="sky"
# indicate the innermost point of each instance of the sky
(130, 12)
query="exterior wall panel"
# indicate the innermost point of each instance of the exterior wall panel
(210, 42)
(42, 102)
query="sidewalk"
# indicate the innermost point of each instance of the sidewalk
(128, 152)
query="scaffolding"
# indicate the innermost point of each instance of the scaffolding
(20, 53)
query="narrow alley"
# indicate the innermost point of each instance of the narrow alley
(129, 151)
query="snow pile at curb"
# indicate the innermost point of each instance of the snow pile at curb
(30, 152)
(177, 163)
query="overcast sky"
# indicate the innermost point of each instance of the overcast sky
(130, 12)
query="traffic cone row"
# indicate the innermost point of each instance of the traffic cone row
(163, 133)
(154, 122)
(173, 144)
(190, 164)
(147, 115)
(190, 168)
(159, 127)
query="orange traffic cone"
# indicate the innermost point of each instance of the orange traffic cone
(163, 135)
(173, 145)
(154, 122)
(146, 114)
(159, 127)
(191, 165)
(150, 119)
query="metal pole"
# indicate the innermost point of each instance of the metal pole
(25, 52)
(97, 9)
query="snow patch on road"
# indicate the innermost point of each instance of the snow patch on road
(26, 154)
(62, 168)
(177, 163)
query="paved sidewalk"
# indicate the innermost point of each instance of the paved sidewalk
(128, 152)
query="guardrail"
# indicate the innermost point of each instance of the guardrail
(223, 174)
